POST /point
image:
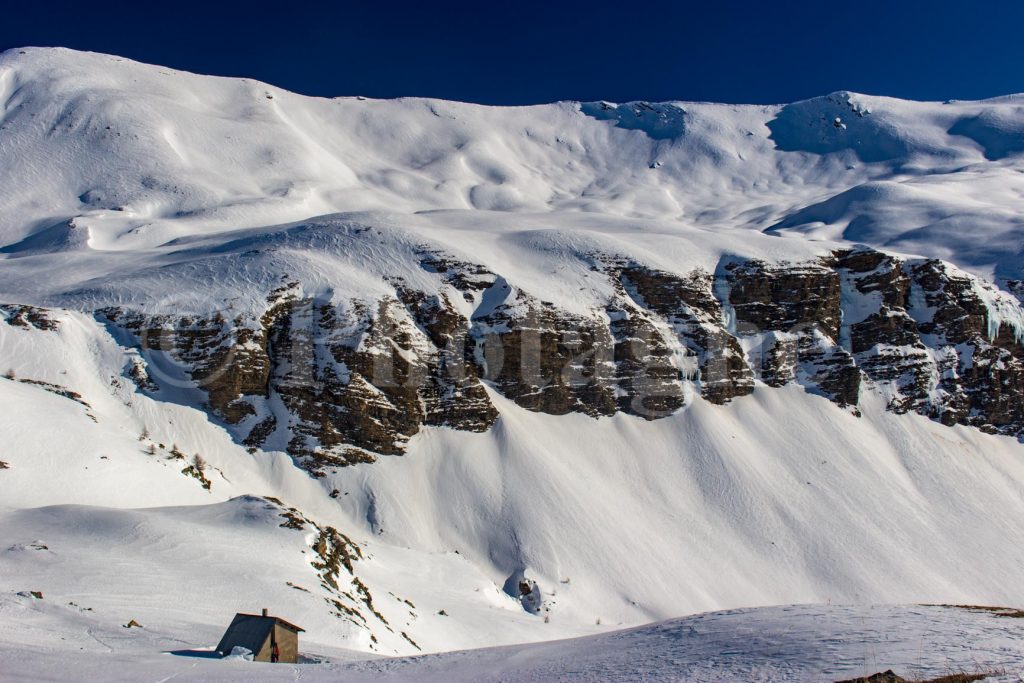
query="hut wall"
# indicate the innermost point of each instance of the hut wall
(287, 644)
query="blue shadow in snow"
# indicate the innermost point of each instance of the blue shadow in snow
(199, 654)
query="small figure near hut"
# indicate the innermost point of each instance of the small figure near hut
(270, 639)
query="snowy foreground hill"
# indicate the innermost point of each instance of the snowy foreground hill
(423, 376)
(770, 644)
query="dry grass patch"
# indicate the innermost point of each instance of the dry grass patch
(1012, 612)
(890, 677)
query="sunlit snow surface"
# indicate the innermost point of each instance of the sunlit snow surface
(138, 186)
(800, 643)
(106, 162)
(777, 498)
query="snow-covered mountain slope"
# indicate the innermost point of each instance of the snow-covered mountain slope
(538, 371)
(778, 497)
(135, 156)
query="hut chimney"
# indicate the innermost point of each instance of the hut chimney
(264, 611)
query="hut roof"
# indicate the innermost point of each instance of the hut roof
(250, 631)
(279, 620)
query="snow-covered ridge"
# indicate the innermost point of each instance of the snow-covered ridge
(643, 359)
(108, 154)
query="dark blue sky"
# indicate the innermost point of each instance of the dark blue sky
(525, 52)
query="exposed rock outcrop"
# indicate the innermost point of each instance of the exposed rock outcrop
(689, 307)
(338, 382)
(975, 333)
(792, 316)
(883, 338)
(28, 317)
(547, 360)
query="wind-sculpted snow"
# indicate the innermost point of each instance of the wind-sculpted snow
(638, 360)
(846, 121)
(657, 121)
(999, 131)
(148, 155)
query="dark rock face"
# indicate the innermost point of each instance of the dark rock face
(546, 360)
(649, 384)
(800, 307)
(227, 359)
(28, 317)
(1016, 287)
(689, 307)
(452, 393)
(883, 338)
(924, 333)
(357, 381)
(342, 382)
(980, 366)
(350, 382)
(786, 297)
